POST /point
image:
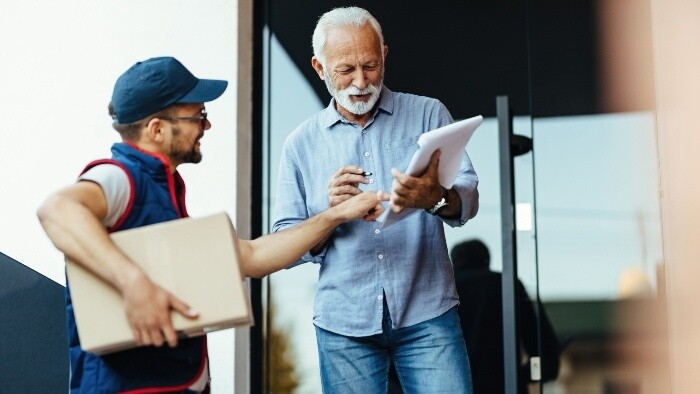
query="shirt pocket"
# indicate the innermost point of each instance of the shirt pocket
(399, 152)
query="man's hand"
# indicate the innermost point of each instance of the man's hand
(367, 205)
(416, 192)
(345, 184)
(147, 308)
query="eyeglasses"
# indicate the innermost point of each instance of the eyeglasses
(201, 118)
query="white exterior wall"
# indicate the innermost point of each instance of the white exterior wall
(59, 63)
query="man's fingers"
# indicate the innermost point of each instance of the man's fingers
(374, 213)
(148, 308)
(341, 198)
(403, 181)
(398, 176)
(335, 200)
(182, 308)
(347, 174)
(397, 202)
(170, 336)
(156, 337)
(167, 333)
(396, 208)
(145, 337)
(347, 169)
(344, 184)
(430, 171)
(339, 194)
(415, 192)
(399, 189)
(433, 165)
(137, 335)
(343, 190)
(347, 179)
(397, 199)
(353, 179)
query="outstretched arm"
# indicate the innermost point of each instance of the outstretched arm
(276, 251)
(343, 185)
(72, 220)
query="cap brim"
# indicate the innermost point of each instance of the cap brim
(205, 90)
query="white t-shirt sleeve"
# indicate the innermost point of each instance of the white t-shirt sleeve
(115, 185)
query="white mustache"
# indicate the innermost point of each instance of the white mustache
(355, 91)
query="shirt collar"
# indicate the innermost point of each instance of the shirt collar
(330, 116)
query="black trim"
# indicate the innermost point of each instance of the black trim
(511, 344)
(257, 344)
(488, 51)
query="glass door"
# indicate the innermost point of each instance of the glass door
(464, 54)
(530, 344)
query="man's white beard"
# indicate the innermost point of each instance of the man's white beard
(342, 97)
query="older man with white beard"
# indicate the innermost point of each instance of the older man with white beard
(384, 295)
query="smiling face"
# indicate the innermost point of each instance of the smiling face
(184, 146)
(353, 70)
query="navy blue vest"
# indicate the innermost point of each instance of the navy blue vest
(156, 196)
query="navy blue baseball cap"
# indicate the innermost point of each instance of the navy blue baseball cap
(157, 83)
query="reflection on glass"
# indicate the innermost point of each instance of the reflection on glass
(597, 191)
(291, 290)
(597, 224)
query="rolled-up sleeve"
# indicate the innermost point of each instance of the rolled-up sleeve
(466, 187)
(465, 183)
(290, 205)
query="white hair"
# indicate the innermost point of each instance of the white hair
(338, 17)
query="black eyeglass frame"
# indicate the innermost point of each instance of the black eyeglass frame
(201, 118)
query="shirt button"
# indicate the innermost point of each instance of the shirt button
(380, 298)
(376, 231)
(380, 257)
(371, 181)
(366, 154)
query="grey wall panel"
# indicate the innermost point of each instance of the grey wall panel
(33, 340)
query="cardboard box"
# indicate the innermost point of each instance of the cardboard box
(196, 259)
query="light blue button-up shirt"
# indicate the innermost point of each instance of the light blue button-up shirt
(361, 263)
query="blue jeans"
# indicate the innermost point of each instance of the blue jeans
(429, 357)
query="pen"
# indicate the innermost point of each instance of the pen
(365, 173)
